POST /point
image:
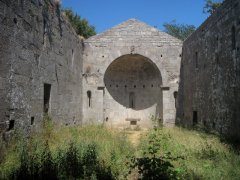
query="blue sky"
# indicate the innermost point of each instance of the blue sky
(104, 14)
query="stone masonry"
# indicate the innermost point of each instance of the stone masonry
(209, 91)
(124, 77)
(131, 73)
(40, 66)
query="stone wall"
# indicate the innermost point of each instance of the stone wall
(209, 91)
(39, 51)
(130, 61)
(134, 82)
(120, 77)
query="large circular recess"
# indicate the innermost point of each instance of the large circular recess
(134, 81)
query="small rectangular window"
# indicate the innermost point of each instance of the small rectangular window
(11, 125)
(89, 96)
(132, 100)
(175, 93)
(32, 120)
(47, 93)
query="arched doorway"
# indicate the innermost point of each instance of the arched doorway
(133, 83)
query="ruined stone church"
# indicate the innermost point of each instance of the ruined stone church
(127, 76)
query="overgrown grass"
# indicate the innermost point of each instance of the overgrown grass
(91, 152)
(198, 155)
(95, 152)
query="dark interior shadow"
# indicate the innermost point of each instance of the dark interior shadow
(134, 81)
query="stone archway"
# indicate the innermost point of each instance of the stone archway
(133, 83)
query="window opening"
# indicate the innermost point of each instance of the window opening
(89, 95)
(47, 94)
(132, 100)
(175, 97)
(11, 125)
(32, 120)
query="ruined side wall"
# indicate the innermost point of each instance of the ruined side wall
(210, 73)
(37, 46)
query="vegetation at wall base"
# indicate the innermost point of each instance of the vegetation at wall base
(95, 152)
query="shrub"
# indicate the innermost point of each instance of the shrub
(71, 162)
(154, 163)
(81, 26)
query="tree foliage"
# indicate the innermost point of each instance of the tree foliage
(180, 31)
(81, 26)
(211, 6)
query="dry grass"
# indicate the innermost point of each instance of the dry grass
(135, 136)
(112, 147)
(204, 156)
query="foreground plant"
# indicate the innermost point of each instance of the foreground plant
(91, 152)
(154, 163)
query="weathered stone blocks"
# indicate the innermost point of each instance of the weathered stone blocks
(130, 90)
(209, 91)
(34, 52)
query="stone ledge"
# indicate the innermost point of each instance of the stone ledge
(132, 119)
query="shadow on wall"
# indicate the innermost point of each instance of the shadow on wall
(134, 81)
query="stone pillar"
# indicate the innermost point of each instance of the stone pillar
(169, 110)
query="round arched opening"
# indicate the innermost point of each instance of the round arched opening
(134, 81)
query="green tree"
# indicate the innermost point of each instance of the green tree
(211, 6)
(81, 26)
(180, 31)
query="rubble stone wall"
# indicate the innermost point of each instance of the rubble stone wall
(38, 48)
(209, 90)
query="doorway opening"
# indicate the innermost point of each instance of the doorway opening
(195, 117)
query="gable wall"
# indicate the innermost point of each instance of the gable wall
(101, 50)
